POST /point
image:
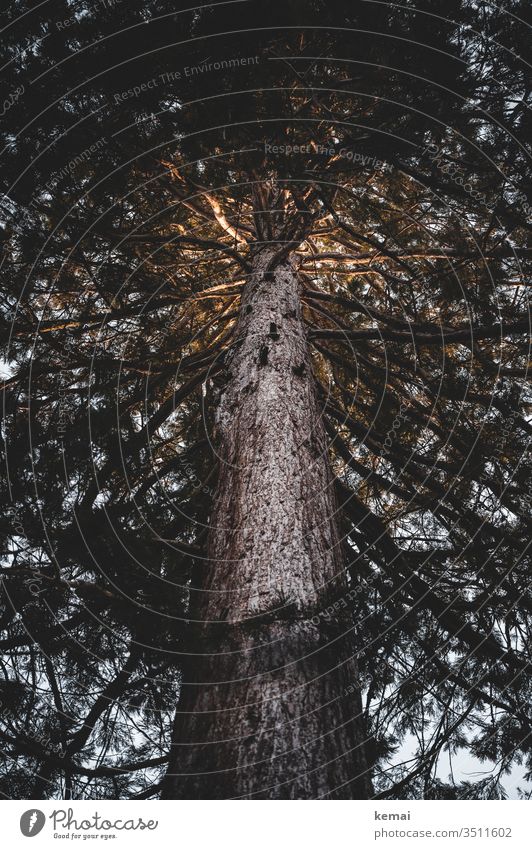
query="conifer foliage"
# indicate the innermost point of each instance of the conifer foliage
(159, 166)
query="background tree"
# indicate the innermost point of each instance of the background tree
(137, 226)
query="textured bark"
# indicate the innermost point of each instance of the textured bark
(265, 712)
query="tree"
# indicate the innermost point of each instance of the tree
(266, 403)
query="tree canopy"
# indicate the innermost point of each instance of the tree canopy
(146, 151)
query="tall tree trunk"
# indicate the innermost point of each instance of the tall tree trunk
(270, 709)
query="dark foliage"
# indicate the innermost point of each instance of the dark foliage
(128, 225)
